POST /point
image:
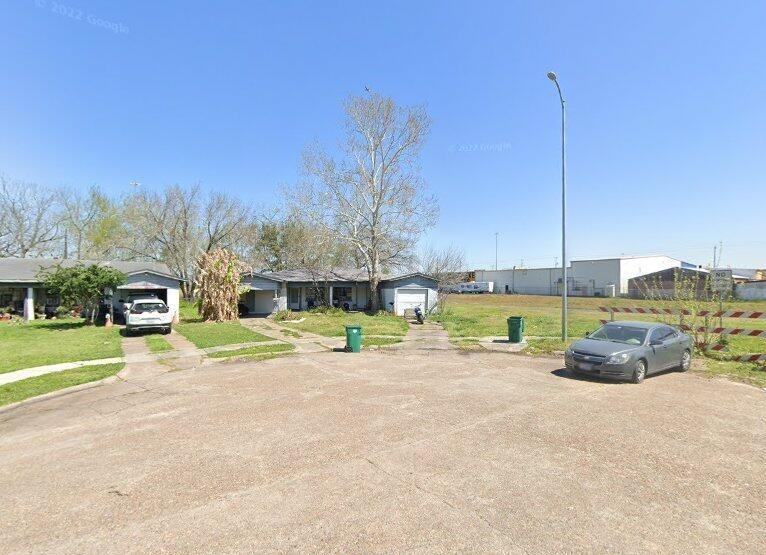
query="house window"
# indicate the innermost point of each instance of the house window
(342, 294)
(52, 300)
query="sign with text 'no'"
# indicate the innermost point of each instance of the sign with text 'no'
(721, 281)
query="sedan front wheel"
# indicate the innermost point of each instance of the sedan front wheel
(686, 361)
(639, 373)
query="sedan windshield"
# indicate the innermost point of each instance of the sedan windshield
(620, 334)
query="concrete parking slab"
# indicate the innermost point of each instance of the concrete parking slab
(387, 451)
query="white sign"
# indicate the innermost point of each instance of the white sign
(721, 281)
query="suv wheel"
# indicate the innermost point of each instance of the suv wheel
(639, 373)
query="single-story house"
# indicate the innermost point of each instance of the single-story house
(22, 290)
(268, 292)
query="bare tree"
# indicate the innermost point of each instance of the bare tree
(29, 219)
(373, 198)
(179, 224)
(447, 265)
(91, 222)
(78, 214)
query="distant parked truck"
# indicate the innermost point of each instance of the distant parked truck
(476, 287)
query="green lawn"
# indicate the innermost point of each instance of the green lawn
(333, 324)
(157, 343)
(212, 334)
(486, 315)
(187, 311)
(738, 371)
(258, 351)
(31, 387)
(43, 342)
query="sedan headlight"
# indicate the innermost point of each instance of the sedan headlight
(620, 358)
(568, 352)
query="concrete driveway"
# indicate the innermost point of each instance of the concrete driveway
(387, 451)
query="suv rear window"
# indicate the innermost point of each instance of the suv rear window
(149, 307)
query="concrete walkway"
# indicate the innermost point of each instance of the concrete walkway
(307, 342)
(426, 336)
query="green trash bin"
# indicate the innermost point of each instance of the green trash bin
(353, 339)
(516, 329)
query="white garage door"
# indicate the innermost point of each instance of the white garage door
(409, 299)
(263, 302)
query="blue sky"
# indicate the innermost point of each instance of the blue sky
(665, 99)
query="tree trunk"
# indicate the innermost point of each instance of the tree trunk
(374, 284)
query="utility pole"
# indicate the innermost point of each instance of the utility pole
(496, 251)
(564, 315)
(715, 265)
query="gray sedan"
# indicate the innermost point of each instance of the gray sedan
(630, 351)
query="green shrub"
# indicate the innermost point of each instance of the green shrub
(63, 312)
(283, 315)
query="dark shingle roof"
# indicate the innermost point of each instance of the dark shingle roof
(351, 275)
(25, 270)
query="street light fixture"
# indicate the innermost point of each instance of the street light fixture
(552, 77)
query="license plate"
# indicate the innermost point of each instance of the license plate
(585, 366)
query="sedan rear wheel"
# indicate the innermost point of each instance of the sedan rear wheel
(686, 361)
(639, 373)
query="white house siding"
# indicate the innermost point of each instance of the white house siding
(751, 291)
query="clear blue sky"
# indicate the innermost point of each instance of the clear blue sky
(667, 110)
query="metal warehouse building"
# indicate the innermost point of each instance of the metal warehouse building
(588, 278)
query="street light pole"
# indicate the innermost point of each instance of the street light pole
(552, 77)
(496, 251)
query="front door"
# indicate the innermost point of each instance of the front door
(294, 298)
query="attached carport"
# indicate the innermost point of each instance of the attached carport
(148, 282)
(260, 294)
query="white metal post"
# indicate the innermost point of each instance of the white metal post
(29, 304)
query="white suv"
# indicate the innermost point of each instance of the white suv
(147, 314)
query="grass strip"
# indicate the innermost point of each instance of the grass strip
(256, 351)
(157, 344)
(32, 387)
(215, 334)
